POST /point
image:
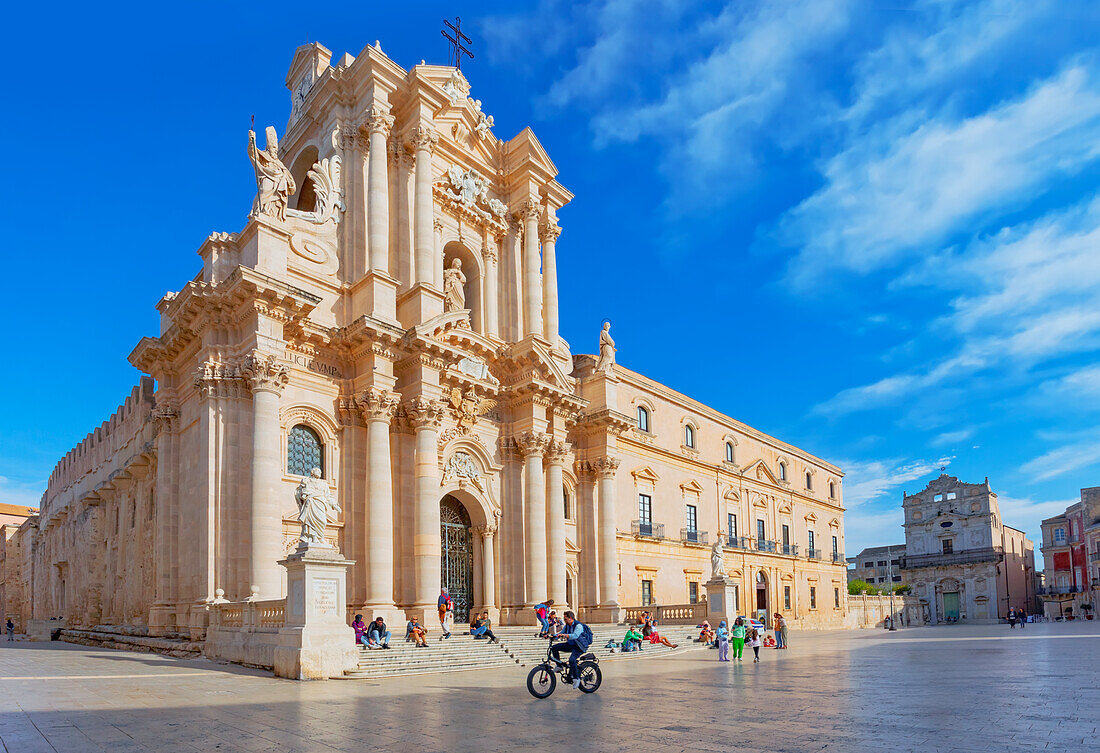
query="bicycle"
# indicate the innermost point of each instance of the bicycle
(542, 679)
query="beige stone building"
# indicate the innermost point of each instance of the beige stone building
(961, 559)
(389, 315)
(11, 561)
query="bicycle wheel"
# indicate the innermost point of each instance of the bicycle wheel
(541, 681)
(591, 677)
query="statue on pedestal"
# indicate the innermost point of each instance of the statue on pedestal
(607, 350)
(274, 183)
(454, 291)
(718, 558)
(316, 504)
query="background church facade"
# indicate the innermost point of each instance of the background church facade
(389, 316)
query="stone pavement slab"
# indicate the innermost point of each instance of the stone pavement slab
(950, 688)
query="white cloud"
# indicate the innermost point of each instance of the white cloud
(863, 528)
(952, 437)
(1075, 455)
(24, 494)
(1026, 514)
(1079, 389)
(869, 480)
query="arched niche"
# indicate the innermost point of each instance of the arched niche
(471, 268)
(304, 199)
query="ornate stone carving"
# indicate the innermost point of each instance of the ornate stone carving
(264, 374)
(317, 507)
(421, 412)
(557, 451)
(424, 137)
(380, 121)
(484, 122)
(274, 183)
(454, 287)
(471, 191)
(165, 417)
(220, 379)
(605, 467)
(529, 211)
(584, 471)
(461, 467)
(607, 350)
(532, 443)
(377, 405)
(325, 176)
(468, 407)
(549, 233)
(456, 88)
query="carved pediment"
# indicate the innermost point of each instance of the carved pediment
(759, 470)
(691, 487)
(645, 474)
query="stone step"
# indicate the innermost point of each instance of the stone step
(131, 642)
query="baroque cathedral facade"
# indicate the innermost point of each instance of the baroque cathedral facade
(389, 315)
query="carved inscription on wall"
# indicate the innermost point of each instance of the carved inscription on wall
(325, 595)
(312, 364)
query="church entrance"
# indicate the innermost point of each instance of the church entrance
(457, 556)
(951, 606)
(761, 598)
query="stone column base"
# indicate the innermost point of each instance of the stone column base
(721, 601)
(160, 617)
(42, 630)
(517, 615)
(607, 613)
(316, 642)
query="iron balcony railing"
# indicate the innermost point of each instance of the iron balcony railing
(1058, 590)
(954, 558)
(647, 530)
(789, 549)
(838, 558)
(739, 542)
(813, 554)
(763, 545)
(692, 536)
(1094, 556)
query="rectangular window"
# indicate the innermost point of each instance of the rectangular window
(895, 563)
(565, 502)
(786, 597)
(645, 507)
(938, 498)
(760, 536)
(813, 597)
(897, 579)
(786, 536)
(1060, 535)
(647, 593)
(836, 598)
(731, 524)
(869, 564)
(951, 495)
(810, 537)
(693, 593)
(948, 546)
(882, 563)
(882, 580)
(692, 519)
(836, 546)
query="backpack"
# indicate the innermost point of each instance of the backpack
(585, 638)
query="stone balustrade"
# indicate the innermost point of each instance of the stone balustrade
(671, 614)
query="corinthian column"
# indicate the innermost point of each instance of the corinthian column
(609, 556)
(424, 140)
(378, 196)
(165, 416)
(586, 536)
(488, 569)
(533, 445)
(549, 238)
(532, 289)
(378, 407)
(492, 289)
(555, 520)
(425, 416)
(267, 378)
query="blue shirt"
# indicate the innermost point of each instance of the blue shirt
(575, 632)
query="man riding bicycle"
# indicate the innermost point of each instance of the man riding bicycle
(576, 638)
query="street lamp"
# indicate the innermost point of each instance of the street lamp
(890, 579)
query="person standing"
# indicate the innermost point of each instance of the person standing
(781, 631)
(1012, 618)
(10, 627)
(446, 610)
(1022, 614)
(753, 639)
(542, 612)
(738, 638)
(722, 635)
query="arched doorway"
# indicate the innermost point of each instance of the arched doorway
(457, 554)
(762, 597)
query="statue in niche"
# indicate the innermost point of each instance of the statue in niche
(316, 507)
(454, 290)
(274, 183)
(607, 350)
(718, 558)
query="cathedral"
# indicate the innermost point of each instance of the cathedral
(386, 321)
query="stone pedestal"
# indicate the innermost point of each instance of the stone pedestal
(316, 642)
(721, 601)
(607, 613)
(42, 630)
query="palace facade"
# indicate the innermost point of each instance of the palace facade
(389, 315)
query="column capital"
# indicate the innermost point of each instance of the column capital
(606, 466)
(379, 121)
(557, 452)
(529, 211)
(424, 137)
(165, 417)
(584, 471)
(549, 233)
(221, 379)
(264, 374)
(486, 531)
(421, 412)
(532, 443)
(489, 253)
(377, 405)
(348, 137)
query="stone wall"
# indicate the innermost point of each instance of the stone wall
(871, 610)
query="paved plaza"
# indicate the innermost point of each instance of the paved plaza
(959, 688)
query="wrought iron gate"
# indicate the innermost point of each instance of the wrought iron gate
(457, 556)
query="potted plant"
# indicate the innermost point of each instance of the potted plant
(1069, 613)
(1087, 609)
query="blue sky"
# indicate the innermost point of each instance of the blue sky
(868, 228)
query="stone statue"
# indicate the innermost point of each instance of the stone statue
(316, 506)
(274, 183)
(607, 350)
(454, 291)
(718, 558)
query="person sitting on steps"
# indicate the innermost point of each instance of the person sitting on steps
(481, 627)
(417, 632)
(378, 636)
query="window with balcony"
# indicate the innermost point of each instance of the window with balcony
(786, 536)
(810, 541)
(692, 518)
(643, 418)
(731, 526)
(836, 547)
(647, 593)
(645, 510)
(948, 546)
(760, 535)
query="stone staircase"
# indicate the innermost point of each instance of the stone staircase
(518, 647)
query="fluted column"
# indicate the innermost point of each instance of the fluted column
(267, 378)
(586, 535)
(491, 292)
(532, 285)
(378, 194)
(425, 416)
(378, 407)
(555, 520)
(549, 238)
(165, 416)
(608, 553)
(488, 567)
(424, 140)
(533, 446)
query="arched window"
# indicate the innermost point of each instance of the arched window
(782, 471)
(832, 490)
(643, 418)
(689, 435)
(729, 452)
(809, 480)
(568, 507)
(304, 451)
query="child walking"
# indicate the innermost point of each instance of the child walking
(754, 641)
(723, 637)
(738, 638)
